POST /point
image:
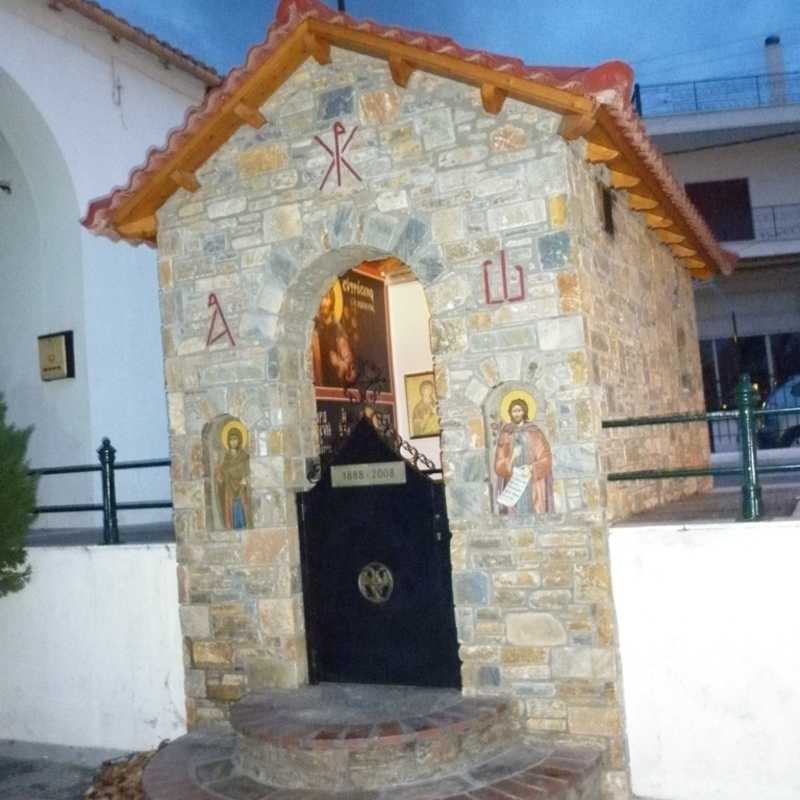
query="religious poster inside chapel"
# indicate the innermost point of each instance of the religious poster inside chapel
(351, 355)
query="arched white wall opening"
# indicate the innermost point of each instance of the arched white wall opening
(41, 269)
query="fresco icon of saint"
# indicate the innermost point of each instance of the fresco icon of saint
(232, 476)
(522, 475)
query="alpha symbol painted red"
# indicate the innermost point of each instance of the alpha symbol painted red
(504, 291)
(337, 154)
(219, 322)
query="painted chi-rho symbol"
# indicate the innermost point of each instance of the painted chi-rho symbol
(505, 297)
(337, 154)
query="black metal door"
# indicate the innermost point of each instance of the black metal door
(377, 576)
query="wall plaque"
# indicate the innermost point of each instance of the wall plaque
(381, 472)
(56, 356)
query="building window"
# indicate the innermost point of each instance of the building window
(773, 363)
(725, 206)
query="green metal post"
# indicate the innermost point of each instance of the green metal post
(110, 529)
(751, 490)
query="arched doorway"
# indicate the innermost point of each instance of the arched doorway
(377, 576)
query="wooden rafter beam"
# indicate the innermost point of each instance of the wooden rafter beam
(639, 201)
(600, 148)
(623, 174)
(623, 180)
(185, 179)
(670, 237)
(401, 70)
(660, 211)
(492, 98)
(243, 103)
(598, 154)
(241, 107)
(695, 264)
(573, 126)
(143, 228)
(249, 115)
(454, 68)
(318, 47)
(655, 221)
(683, 252)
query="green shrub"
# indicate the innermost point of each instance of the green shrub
(17, 501)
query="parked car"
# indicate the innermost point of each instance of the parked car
(782, 430)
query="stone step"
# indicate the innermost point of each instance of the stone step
(350, 737)
(201, 766)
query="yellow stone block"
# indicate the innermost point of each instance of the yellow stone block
(261, 159)
(578, 367)
(557, 210)
(569, 292)
(524, 655)
(378, 108)
(212, 654)
(477, 436)
(591, 721)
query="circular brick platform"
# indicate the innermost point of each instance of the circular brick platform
(200, 766)
(351, 737)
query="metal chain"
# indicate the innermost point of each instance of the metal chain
(359, 395)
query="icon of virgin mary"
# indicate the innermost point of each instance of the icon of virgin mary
(523, 461)
(233, 476)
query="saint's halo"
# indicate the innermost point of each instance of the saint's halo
(517, 394)
(233, 425)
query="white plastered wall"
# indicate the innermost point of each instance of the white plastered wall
(710, 657)
(92, 649)
(77, 112)
(409, 322)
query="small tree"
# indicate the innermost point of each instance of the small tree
(17, 501)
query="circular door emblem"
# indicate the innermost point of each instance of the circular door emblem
(375, 582)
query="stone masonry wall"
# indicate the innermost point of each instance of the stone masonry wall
(642, 344)
(444, 187)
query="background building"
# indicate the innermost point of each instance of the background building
(735, 144)
(81, 95)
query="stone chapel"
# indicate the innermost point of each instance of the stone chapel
(351, 188)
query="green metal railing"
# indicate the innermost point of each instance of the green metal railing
(107, 467)
(746, 413)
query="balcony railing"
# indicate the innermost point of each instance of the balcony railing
(773, 223)
(717, 94)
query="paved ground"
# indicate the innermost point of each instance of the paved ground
(47, 772)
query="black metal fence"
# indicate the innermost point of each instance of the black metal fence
(107, 466)
(717, 94)
(745, 416)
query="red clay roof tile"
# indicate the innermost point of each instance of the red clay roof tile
(608, 85)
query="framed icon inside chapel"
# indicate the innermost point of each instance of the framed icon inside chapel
(423, 417)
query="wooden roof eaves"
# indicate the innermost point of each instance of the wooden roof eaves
(454, 68)
(583, 116)
(705, 265)
(289, 56)
(205, 141)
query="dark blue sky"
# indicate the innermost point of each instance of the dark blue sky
(663, 41)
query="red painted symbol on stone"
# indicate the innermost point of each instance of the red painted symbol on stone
(337, 154)
(218, 316)
(487, 269)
